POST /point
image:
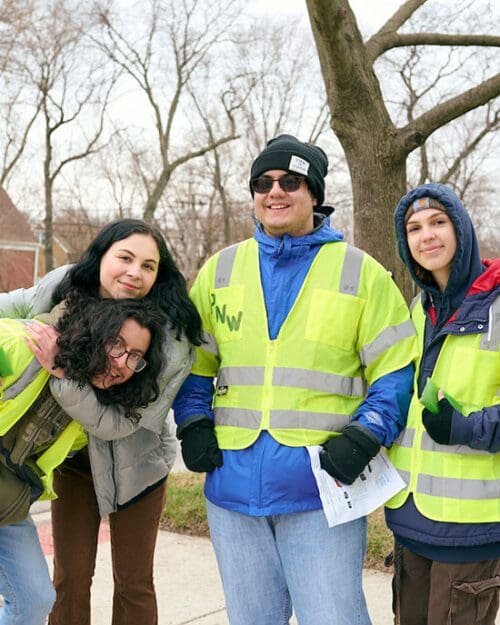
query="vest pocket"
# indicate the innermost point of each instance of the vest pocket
(465, 365)
(334, 319)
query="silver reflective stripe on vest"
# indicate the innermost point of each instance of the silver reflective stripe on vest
(27, 377)
(241, 376)
(209, 344)
(491, 339)
(429, 445)
(318, 381)
(415, 301)
(405, 475)
(225, 263)
(351, 271)
(454, 488)
(387, 338)
(295, 419)
(238, 417)
(405, 439)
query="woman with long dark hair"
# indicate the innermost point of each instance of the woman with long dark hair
(127, 259)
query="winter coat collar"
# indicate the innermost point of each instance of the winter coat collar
(322, 233)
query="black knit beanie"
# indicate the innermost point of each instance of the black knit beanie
(288, 153)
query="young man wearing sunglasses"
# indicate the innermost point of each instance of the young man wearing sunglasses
(310, 343)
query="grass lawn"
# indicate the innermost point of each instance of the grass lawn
(185, 514)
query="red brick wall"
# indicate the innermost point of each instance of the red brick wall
(16, 269)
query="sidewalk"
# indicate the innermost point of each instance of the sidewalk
(187, 583)
(186, 578)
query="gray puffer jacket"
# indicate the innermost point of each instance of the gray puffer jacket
(125, 457)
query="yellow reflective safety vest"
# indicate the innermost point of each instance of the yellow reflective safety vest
(348, 327)
(453, 483)
(18, 392)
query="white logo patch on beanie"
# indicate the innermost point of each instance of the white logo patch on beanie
(299, 165)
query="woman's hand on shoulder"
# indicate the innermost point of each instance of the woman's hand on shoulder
(42, 341)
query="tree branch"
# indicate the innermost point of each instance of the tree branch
(490, 126)
(393, 40)
(374, 45)
(415, 133)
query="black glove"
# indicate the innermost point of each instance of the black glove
(344, 457)
(438, 425)
(200, 450)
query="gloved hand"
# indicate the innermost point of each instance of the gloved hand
(438, 425)
(199, 447)
(344, 457)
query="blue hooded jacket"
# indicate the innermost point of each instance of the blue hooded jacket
(267, 477)
(472, 288)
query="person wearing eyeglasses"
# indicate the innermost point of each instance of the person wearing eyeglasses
(309, 342)
(119, 476)
(112, 345)
(446, 522)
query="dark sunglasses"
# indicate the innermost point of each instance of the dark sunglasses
(287, 182)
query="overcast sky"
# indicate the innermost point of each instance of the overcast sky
(370, 13)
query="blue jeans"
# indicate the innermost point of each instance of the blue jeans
(25, 583)
(269, 564)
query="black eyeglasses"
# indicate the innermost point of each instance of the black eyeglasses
(135, 362)
(287, 182)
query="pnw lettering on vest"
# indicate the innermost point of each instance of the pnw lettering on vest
(222, 316)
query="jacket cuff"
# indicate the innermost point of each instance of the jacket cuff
(363, 437)
(189, 421)
(361, 427)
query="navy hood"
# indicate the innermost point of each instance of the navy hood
(466, 266)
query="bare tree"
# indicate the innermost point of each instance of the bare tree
(267, 93)
(192, 220)
(75, 228)
(286, 90)
(218, 168)
(119, 171)
(17, 114)
(72, 93)
(14, 16)
(456, 154)
(375, 148)
(163, 64)
(18, 108)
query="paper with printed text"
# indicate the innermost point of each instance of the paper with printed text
(341, 503)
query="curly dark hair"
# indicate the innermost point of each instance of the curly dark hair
(169, 290)
(87, 324)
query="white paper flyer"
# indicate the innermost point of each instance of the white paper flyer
(341, 503)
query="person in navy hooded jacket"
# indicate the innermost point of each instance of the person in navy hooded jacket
(447, 521)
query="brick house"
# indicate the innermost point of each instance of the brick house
(19, 248)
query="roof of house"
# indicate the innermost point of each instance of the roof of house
(13, 224)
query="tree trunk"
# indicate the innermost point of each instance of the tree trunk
(48, 186)
(48, 226)
(375, 149)
(378, 182)
(154, 197)
(359, 118)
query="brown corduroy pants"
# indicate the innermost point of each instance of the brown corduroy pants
(441, 593)
(75, 527)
